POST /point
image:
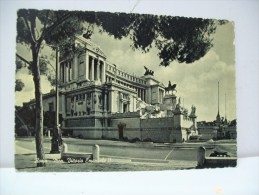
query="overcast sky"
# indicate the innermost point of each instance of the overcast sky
(196, 82)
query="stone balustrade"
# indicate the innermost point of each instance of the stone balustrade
(126, 114)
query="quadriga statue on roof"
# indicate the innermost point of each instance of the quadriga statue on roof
(148, 72)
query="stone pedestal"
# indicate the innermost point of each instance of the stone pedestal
(48, 133)
(96, 152)
(169, 101)
(201, 157)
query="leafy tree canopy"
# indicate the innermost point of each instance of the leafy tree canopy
(180, 39)
(19, 85)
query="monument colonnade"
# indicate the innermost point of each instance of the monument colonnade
(83, 67)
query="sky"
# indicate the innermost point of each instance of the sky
(197, 83)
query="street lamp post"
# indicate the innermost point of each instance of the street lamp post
(56, 140)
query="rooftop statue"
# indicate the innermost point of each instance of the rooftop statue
(148, 72)
(193, 112)
(170, 87)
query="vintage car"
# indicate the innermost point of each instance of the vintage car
(219, 154)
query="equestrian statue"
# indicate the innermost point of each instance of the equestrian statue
(170, 87)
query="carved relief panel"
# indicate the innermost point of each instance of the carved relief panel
(81, 104)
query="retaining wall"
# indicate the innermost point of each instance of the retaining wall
(155, 129)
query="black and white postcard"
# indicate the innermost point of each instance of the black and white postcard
(104, 91)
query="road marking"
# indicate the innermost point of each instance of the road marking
(168, 154)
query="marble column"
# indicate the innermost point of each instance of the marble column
(64, 72)
(119, 103)
(67, 71)
(87, 66)
(110, 102)
(129, 109)
(103, 72)
(92, 98)
(95, 69)
(61, 73)
(98, 70)
(133, 103)
(92, 74)
(105, 101)
(70, 70)
(75, 68)
(75, 109)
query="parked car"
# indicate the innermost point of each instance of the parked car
(219, 154)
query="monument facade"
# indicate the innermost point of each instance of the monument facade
(99, 100)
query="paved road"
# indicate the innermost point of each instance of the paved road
(118, 149)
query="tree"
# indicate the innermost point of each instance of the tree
(33, 27)
(27, 116)
(19, 85)
(177, 38)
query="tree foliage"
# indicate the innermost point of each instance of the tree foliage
(184, 40)
(19, 85)
(27, 114)
(19, 65)
(180, 39)
(115, 24)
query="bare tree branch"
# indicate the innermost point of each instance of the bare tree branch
(23, 59)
